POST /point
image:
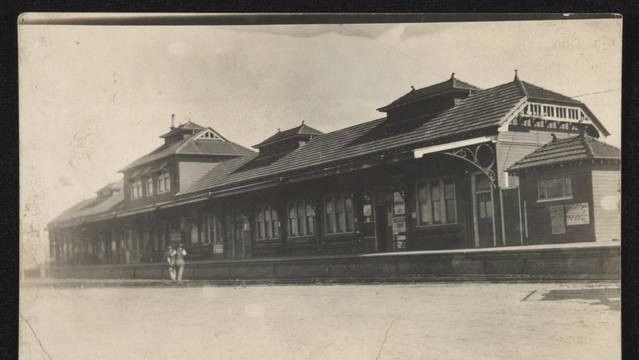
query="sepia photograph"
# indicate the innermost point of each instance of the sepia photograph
(228, 186)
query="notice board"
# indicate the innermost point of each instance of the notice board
(557, 219)
(577, 214)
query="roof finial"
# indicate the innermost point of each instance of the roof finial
(302, 122)
(412, 88)
(172, 121)
(278, 129)
(516, 77)
(452, 76)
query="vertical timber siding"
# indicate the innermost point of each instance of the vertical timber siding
(606, 202)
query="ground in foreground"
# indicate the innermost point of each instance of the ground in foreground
(416, 321)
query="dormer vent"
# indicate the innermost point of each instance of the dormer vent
(284, 141)
(419, 104)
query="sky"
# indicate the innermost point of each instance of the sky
(94, 98)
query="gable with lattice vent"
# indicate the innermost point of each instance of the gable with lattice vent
(209, 134)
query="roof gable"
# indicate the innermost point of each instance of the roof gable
(576, 148)
(187, 126)
(195, 144)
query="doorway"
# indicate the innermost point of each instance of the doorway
(238, 230)
(382, 231)
(483, 211)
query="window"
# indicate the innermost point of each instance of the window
(266, 223)
(555, 189)
(292, 221)
(310, 219)
(164, 182)
(436, 202)
(136, 189)
(148, 186)
(339, 214)
(449, 199)
(349, 213)
(301, 219)
(213, 229)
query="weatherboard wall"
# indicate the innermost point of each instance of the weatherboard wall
(607, 203)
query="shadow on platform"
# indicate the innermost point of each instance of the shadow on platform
(610, 297)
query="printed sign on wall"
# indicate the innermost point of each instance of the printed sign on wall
(399, 226)
(398, 203)
(577, 214)
(557, 220)
(400, 241)
(218, 248)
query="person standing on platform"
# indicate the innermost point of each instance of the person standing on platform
(170, 258)
(179, 261)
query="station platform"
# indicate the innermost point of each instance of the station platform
(575, 261)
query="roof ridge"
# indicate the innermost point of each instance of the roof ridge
(522, 86)
(550, 91)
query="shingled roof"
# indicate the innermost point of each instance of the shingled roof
(576, 148)
(485, 109)
(301, 130)
(535, 92)
(192, 146)
(482, 110)
(93, 207)
(429, 91)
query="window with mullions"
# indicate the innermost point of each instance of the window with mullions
(136, 189)
(213, 226)
(436, 201)
(338, 211)
(301, 218)
(148, 186)
(164, 182)
(267, 224)
(554, 189)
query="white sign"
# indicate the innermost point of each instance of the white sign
(557, 220)
(368, 210)
(400, 241)
(218, 248)
(399, 225)
(577, 214)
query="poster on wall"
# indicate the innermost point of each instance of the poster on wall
(367, 210)
(400, 242)
(399, 225)
(557, 219)
(577, 214)
(399, 207)
(218, 249)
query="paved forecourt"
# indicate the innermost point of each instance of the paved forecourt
(573, 320)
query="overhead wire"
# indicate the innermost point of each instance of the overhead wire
(387, 46)
(595, 93)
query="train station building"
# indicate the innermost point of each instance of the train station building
(447, 166)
